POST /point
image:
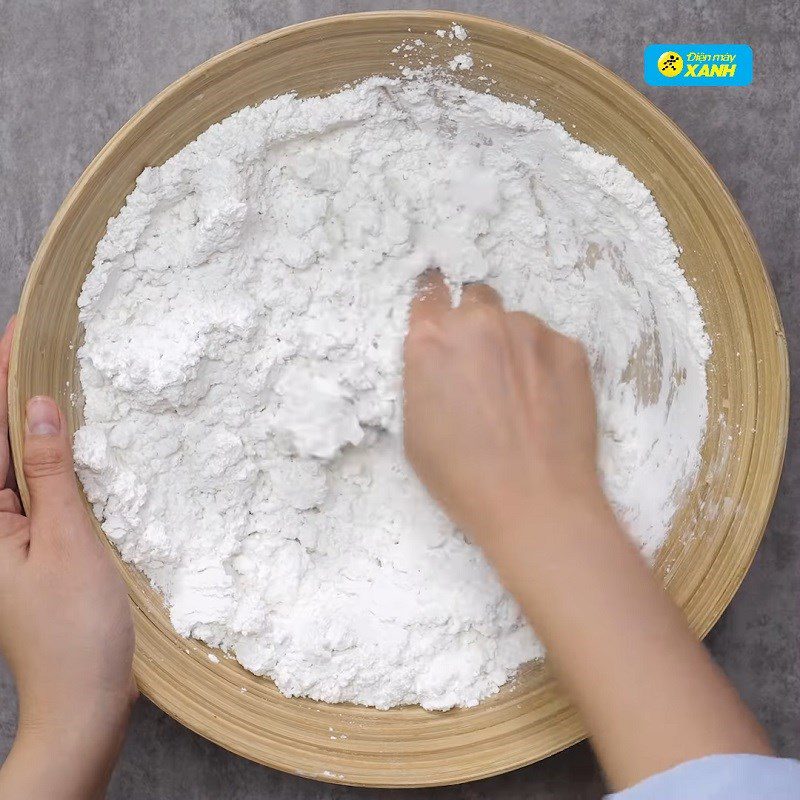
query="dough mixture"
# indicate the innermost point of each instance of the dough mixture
(241, 371)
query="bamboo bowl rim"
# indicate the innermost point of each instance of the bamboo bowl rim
(748, 387)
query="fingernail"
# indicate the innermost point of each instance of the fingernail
(42, 417)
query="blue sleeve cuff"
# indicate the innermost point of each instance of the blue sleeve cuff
(722, 777)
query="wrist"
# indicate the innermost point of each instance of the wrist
(91, 727)
(69, 759)
(529, 529)
(537, 507)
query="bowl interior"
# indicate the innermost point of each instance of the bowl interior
(717, 530)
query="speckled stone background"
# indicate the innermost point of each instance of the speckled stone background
(73, 71)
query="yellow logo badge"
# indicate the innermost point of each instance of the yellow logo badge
(670, 64)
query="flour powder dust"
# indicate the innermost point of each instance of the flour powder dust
(241, 371)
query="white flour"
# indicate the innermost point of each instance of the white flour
(242, 375)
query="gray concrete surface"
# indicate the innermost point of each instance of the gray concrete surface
(72, 71)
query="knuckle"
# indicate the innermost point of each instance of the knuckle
(9, 502)
(526, 321)
(577, 351)
(486, 320)
(530, 328)
(573, 353)
(43, 461)
(12, 526)
(422, 336)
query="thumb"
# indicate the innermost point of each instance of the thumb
(47, 462)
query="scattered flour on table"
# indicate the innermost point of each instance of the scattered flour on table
(241, 372)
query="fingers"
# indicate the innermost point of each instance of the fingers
(571, 352)
(480, 294)
(528, 330)
(5, 359)
(47, 463)
(432, 299)
(9, 502)
(15, 534)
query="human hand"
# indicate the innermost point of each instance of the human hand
(499, 411)
(65, 622)
(500, 426)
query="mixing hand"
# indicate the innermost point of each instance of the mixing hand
(499, 410)
(500, 426)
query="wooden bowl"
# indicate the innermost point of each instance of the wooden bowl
(715, 534)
